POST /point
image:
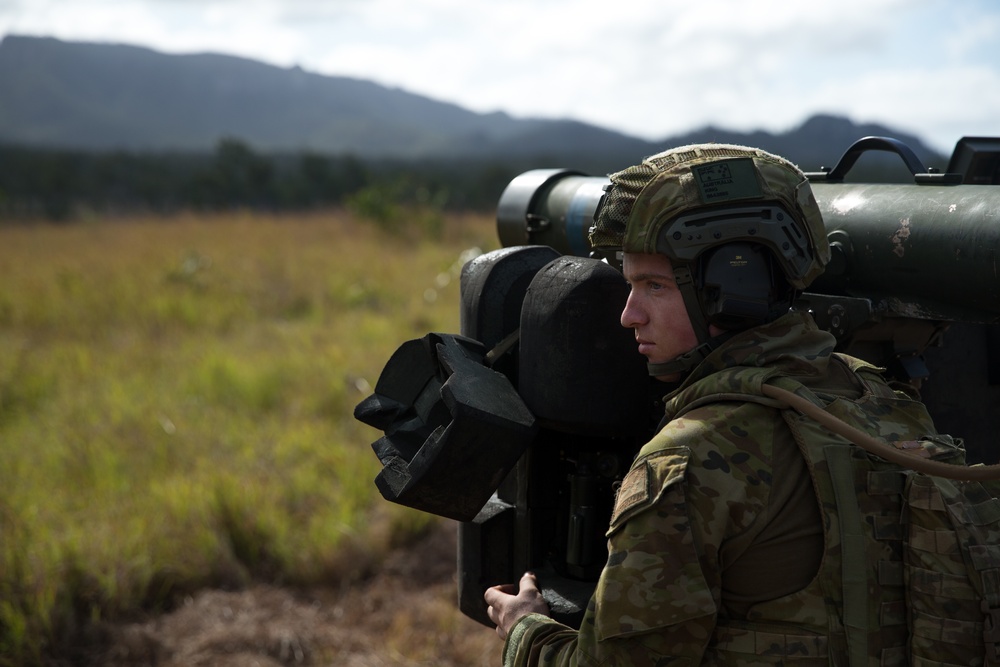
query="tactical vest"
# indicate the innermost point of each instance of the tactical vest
(911, 568)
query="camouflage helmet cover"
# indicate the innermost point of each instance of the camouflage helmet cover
(643, 204)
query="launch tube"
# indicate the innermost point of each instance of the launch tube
(927, 251)
(924, 251)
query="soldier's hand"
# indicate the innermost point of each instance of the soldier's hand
(507, 603)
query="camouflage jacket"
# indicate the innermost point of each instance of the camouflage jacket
(705, 494)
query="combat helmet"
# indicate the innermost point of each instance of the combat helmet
(740, 226)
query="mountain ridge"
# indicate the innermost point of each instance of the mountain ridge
(96, 96)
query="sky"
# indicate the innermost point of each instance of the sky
(647, 68)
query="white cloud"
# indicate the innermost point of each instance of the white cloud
(651, 68)
(975, 36)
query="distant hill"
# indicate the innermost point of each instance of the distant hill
(115, 97)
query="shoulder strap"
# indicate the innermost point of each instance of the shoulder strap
(759, 385)
(907, 454)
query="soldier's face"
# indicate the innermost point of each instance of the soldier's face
(655, 309)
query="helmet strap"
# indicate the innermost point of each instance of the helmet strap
(684, 278)
(686, 362)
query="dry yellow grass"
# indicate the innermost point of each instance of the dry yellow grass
(176, 403)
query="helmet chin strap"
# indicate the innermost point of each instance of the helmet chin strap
(683, 363)
(686, 362)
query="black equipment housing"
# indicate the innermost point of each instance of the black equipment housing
(522, 426)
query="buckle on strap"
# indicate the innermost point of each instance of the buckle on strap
(991, 632)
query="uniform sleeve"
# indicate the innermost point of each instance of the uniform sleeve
(658, 596)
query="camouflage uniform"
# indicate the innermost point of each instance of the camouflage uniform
(699, 501)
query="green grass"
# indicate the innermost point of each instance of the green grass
(176, 404)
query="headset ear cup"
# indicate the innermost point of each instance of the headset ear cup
(737, 286)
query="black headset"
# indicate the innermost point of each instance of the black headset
(739, 286)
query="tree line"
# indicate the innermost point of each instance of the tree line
(51, 184)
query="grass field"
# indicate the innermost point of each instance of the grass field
(176, 403)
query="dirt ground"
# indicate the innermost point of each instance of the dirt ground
(404, 616)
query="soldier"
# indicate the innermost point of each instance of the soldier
(730, 541)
